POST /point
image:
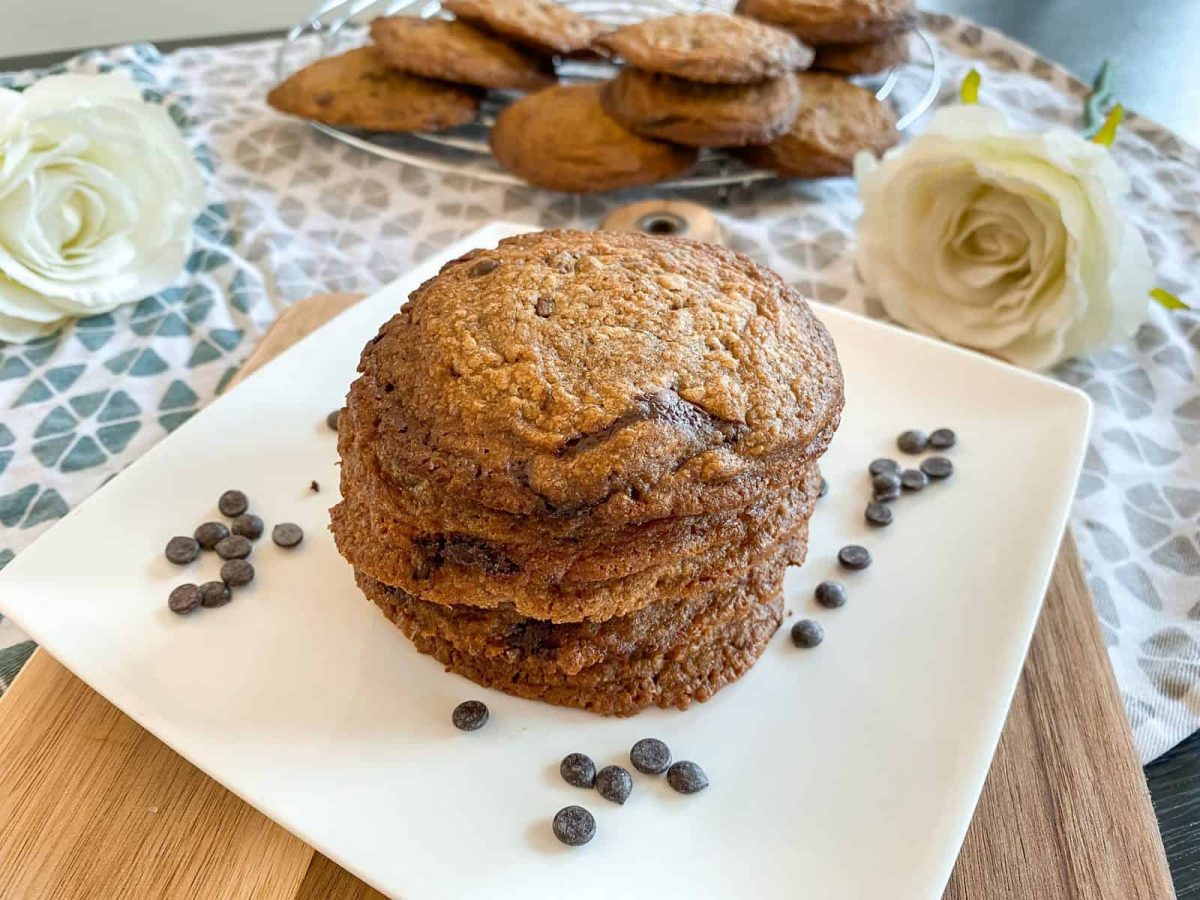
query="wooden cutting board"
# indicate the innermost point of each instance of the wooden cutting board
(93, 806)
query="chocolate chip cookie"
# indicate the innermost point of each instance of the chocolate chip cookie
(457, 52)
(837, 119)
(547, 27)
(710, 48)
(358, 90)
(834, 21)
(702, 115)
(864, 59)
(562, 139)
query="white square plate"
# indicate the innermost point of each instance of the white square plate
(849, 771)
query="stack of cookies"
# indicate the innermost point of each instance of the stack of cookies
(575, 467)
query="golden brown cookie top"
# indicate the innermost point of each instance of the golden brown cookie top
(702, 115)
(358, 90)
(837, 119)
(709, 47)
(454, 51)
(545, 26)
(572, 365)
(562, 139)
(834, 21)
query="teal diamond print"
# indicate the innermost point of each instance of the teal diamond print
(14, 505)
(13, 367)
(6, 556)
(178, 405)
(13, 658)
(7, 438)
(243, 292)
(64, 438)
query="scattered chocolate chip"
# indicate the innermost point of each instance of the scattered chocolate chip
(687, 777)
(824, 487)
(650, 756)
(913, 479)
(806, 633)
(614, 783)
(470, 715)
(578, 770)
(544, 306)
(248, 525)
(184, 599)
(878, 514)
(854, 557)
(233, 504)
(574, 825)
(942, 439)
(882, 465)
(332, 419)
(886, 487)
(210, 534)
(937, 467)
(287, 534)
(214, 594)
(314, 486)
(831, 594)
(234, 547)
(182, 550)
(485, 265)
(237, 573)
(913, 441)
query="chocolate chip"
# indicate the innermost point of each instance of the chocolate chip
(912, 441)
(831, 594)
(485, 265)
(234, 547)
(886, 487)
(233, 504)
(806, 634)
(687, 777)
(248, 525)
(574, 825)
(942, 439)
(824, 488)
(237, 573)
(651, 756)
(854, 557)
(614, 783)
(184, 599)
(913, 479)
(314, 486)
(214, 594)
(287, 534)
(210, 534)
(878, 514)
(882, 465)
(470, 715)
(937, 467)
(182, 550)
(332, 419)
(578, 770)
(544, 306)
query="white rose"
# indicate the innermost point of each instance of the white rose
(98, 193)
(1009, 242)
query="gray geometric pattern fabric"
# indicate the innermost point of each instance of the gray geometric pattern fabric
(293, 213)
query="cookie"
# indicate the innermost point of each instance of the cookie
(454, 51)
(562, 139)
(567, 581)
(710, 48)
(702, 115)
(546, 27)
(358, 90)
(837, 119)
(563, 369)
(670, 654)
(864, 59)
(834, 21)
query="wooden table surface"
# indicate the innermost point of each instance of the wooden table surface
(93, 806)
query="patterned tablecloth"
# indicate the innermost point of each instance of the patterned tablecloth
(292, 213)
